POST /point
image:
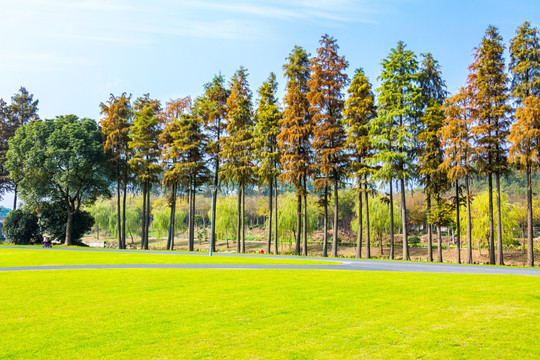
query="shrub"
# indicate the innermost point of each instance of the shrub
(21, 227)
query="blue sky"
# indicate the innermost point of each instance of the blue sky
(72, 54)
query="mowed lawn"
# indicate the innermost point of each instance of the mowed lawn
(266, 314)
(26, 256)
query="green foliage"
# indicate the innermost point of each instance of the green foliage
(287, 216)
(161, 214)
(21, 227)
(52, 220)
(379, 217)
(525, 62)
(226, 220)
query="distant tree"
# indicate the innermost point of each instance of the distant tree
(266, 131)
(71, 170)
(525, 62)
(115, 124)
(430, 152)
(237, 147)
(359, 110)
(524, 152)
(489, 84)
(295, 131)
(212, 108)
(173, 140)
(144, 144)
(458, 143)
(22, 110)
(327, 83)
(392, 132)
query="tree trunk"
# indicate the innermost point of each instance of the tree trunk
(124, 190)
(270, 208)
(469, 222)
(239, 220)
(214, 206)
(391, 223)
(335, 224)
(118, 211)
(170, 239)
(143, 230)
(458, 225)
(304, 222)
(368, 237)
(325, 223)
(439, 244)
(491, 227)
(192, 223)
(243, 218)
(276, 251)
(148, 212)
(15, 197)
(360, 230)
(500, 260)
(430, 229)
(404, 221)
(530, 245)
(298, 223)
(69, 228)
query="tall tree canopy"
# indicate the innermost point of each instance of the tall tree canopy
(59, 159)
(525, 62)
(296, 128)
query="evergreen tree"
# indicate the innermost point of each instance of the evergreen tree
(525, 62)
(295, 130)
(392, 132)
(457, 140)
(524, 152)
(212, 108)
(266, 131)
(145, 147)
(115, 127)
(430, 152)
(489, 84)
(237, 147)
(358, 112)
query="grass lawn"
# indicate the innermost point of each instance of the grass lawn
(266, 314)
(25, 256)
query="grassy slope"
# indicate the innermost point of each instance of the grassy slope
(29, 257)
(285, 314)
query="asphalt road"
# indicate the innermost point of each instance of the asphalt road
(340, 264)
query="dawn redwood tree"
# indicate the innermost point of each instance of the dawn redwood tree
(458, 143)
(144, 145)
(524, 152)
(22, 110)
(326, 97)
(171, 140)
(115, 124)
(359, 110)
(237, 146)
(489, 84)
(266, 130)
(525, 63)
(430, 153)
(59, 159)
(295, 131)
(212, 108)
(392, 132)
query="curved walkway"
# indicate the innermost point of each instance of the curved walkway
(341, 264)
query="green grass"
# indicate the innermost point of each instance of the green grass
(266, 314)
(30, 257)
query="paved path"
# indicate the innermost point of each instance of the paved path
(340, 264)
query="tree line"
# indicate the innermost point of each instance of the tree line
(329, 132)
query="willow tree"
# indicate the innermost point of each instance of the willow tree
(524, 152)
(172, 152)
(458, 142)
(144, 143)
(295, 130)
(392, 132)
(237, 147)
(358, 112)
(115, 125)
(266, 131)
(212, 107)
(430, 152)
(326, 97)
(489, 84)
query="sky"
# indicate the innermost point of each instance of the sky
(71, 54)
